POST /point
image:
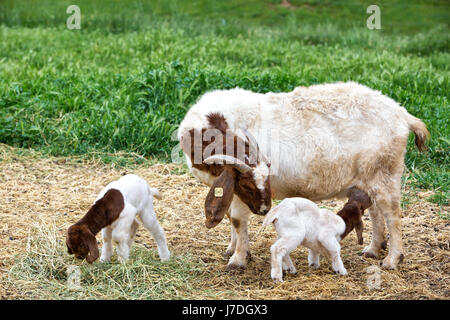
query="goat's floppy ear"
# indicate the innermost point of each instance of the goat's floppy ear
(69, 251)
(92, 245)
(68, 243)
(219, 197)
(359, 231)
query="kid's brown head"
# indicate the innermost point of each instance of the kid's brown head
(80, 238)
(353, 210)
(352, 216)
(82, 243)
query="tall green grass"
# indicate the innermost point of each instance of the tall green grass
(125, 80)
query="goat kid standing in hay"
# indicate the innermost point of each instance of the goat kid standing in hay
(114, 212)
(299, 221)
(321, 141)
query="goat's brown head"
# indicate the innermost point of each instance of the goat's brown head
(353, 210)
(236, 162)
(251, 185)
(249, 181)
(82, 243)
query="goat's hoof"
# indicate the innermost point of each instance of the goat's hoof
(164, 256)
(391, 263)
(368, 252)
(342, 272)
(384, 245)
(292, 271)
(249, 256)
(228, 253)
(277, 280)
(234, 267)
(388, 265)
(314, 265)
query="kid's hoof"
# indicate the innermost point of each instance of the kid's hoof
(341, 272)
(277, 280)
(384, 245)
(291, 271)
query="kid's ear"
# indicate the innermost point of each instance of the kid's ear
(219, 197)
(92, 245)
(69, 250)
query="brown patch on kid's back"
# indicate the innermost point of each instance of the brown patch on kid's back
(80, 237)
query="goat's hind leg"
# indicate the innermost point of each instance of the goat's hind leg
(392, 214)
(334, 249)
(133, 229)
(378, 241)
(288, 265)
(279, 251)
(313, 259)
(387, 206)
(150, 222)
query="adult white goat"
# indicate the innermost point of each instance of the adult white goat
(321, 141)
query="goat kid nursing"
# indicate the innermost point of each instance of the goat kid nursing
(299, 221)
(114, 212)
(313, 142)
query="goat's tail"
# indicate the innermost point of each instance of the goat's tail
(420, 131)
(271, 216)
(155, 193)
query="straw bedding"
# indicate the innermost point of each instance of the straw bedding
(47, 190)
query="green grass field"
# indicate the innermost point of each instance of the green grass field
(125, 80)
(116, 90)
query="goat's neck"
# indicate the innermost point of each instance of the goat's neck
(95, 220)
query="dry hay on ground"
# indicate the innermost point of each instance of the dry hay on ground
(61, 190)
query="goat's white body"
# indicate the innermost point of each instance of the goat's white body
(299, 221)
(138, 203)
(328, 138)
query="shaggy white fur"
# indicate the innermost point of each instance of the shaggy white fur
(299, 221)
(321, 141)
